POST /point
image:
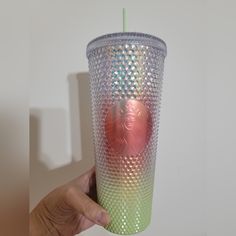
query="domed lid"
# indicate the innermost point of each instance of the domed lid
(127, 38)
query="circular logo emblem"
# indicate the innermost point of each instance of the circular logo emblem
(128, 127)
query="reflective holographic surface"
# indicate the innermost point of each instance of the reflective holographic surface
(125, 80)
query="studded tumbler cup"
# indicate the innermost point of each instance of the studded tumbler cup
(126, 72)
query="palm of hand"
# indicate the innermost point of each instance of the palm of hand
(70, 209)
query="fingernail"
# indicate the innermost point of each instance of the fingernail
(102, 218)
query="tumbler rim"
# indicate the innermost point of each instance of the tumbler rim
(129, 37)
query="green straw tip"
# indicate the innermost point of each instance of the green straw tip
(124, 20)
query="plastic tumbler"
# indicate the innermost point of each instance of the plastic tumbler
(126, 71)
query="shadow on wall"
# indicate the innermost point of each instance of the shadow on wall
(48, 142)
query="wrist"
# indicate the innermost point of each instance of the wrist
(34, 226)
(39, 225)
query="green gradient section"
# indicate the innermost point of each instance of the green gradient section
(129, 206)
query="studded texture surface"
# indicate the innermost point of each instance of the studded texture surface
(125, 82)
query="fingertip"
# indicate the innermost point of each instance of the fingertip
(92, 170)
(103, 218)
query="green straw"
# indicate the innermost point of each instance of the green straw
(124, 20)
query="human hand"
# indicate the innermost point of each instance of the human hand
(69, 209)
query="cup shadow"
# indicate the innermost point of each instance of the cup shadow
(48, 123)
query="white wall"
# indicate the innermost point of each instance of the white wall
(60, 106)
(221, 118)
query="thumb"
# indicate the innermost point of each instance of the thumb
(87, 207)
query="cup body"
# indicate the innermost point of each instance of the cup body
(126, 71)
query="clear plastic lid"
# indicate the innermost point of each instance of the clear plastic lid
(127, 38)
